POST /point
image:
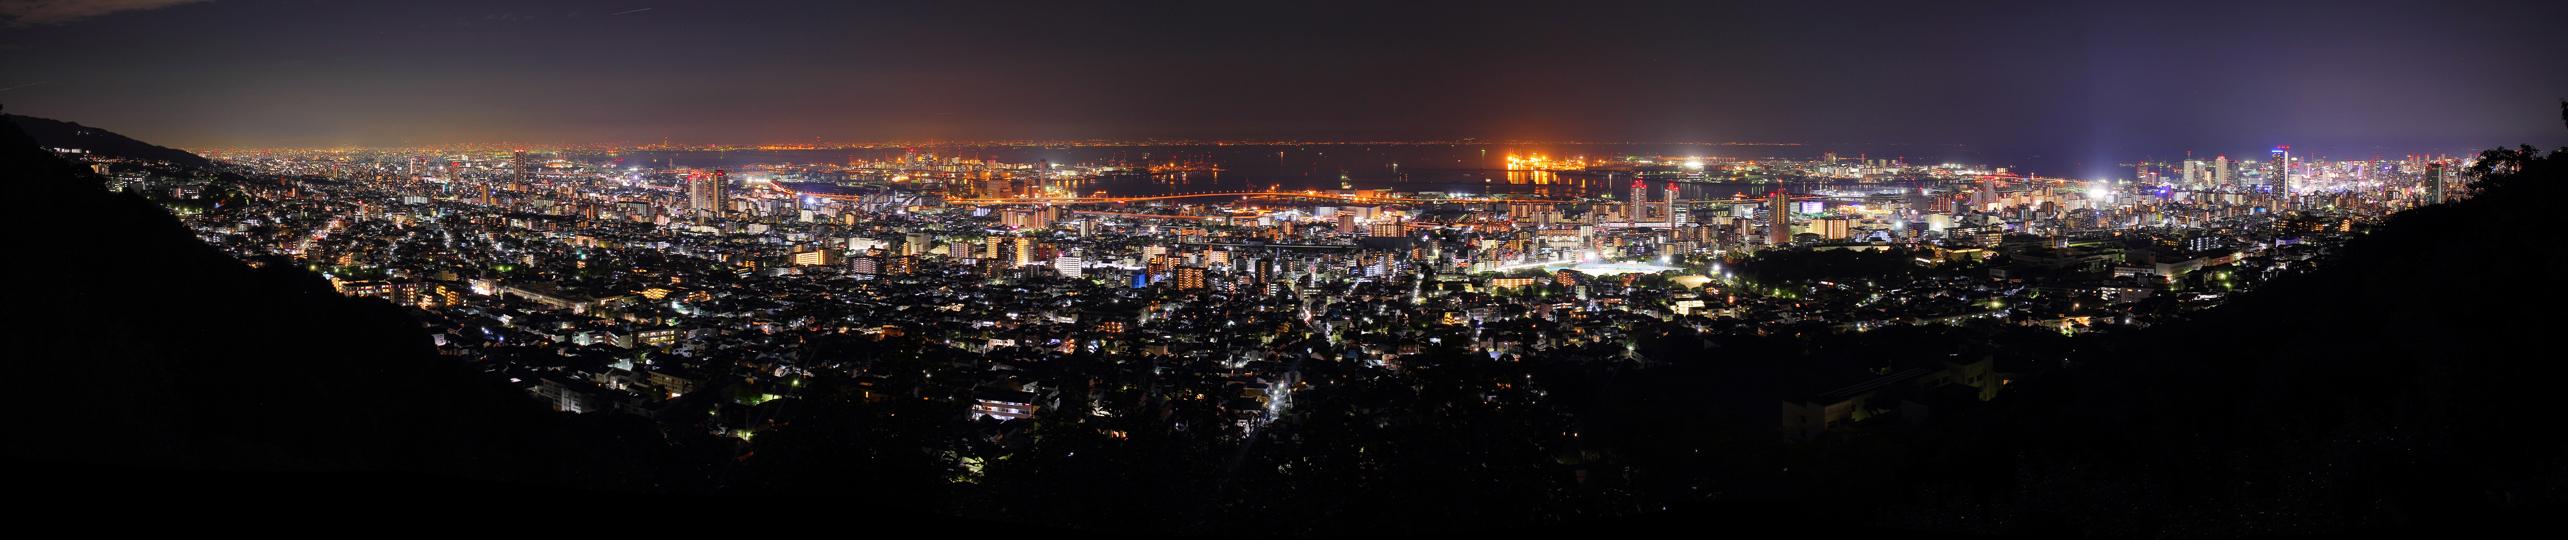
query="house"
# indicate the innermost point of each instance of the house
(655, 337)
(1808, 417)
(875, 388)
(573, 395)
(674, 381)
(1002, 403)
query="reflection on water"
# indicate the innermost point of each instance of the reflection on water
(1456, 170)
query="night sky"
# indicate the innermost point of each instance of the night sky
(2095, 82)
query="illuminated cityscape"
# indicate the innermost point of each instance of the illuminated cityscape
(1138, 273)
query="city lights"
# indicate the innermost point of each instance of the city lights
(1302, 270)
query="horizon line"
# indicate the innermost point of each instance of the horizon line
(1006, 143)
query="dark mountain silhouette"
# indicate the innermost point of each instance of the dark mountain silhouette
(136, 361)
(129, 342)
(51, 133)
(2409, 381)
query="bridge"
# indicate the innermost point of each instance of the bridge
(1296, 195)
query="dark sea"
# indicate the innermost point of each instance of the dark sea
(1462, 169)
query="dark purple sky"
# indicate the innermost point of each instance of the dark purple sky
(2094, 82)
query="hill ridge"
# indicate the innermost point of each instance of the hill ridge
(51, 133)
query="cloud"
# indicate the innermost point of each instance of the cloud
(34, 12)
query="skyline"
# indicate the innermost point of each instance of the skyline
(2070, 88)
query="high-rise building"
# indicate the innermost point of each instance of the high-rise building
(1024, 251)
(1027, 219)
(2279, 178)
(525, 169)
(696, 199)
(1779, 219)
(1389, 228)
(707, 193)
(1634, 209)
(1190, 278)
(1525, 212)
(1832, 228)
(998, 186)
(1070, 266)
(1668, 207)
(915, 244)
(2207, 173)
(2434, 177)
(722, 191)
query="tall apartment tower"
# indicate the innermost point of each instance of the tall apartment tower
(525, 170)
(915, 244)
(721, 192)
(2434, 177)
(1638, 208)
(1779, 220)
(708, 193)
(704, 200)
(2281, 181)
(1668, 207)
(697, 201)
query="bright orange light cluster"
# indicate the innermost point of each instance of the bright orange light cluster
(1537, 162)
